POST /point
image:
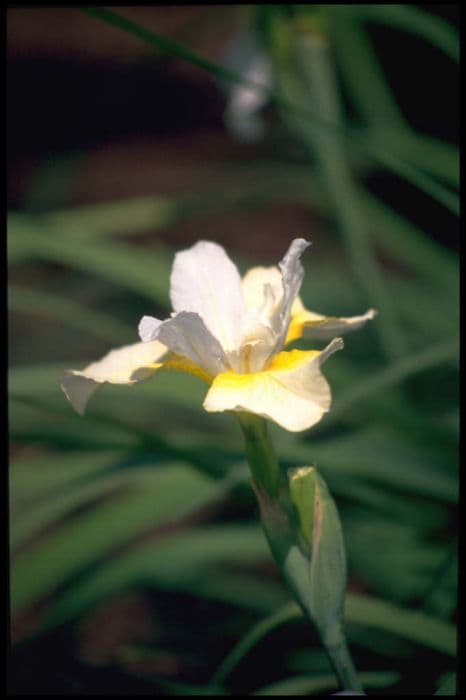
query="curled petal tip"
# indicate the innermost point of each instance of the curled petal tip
(300, 243)
(333, 346)
(147, 328)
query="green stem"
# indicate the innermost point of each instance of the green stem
(340, 657)
(276, 507)
(260, 453)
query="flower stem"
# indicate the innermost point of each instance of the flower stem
(279, 522)
(260, 453)
(340, 657)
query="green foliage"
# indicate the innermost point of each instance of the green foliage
(148, 494)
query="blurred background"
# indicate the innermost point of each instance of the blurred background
(137, 560)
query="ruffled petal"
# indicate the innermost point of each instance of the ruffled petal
(270, 292)
(126, 365)
(205, 281)
(308, 324)
(292, 390)
(292, 279)
(187, 335)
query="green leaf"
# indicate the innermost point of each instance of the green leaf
(444, 352)
(120, 264)
(37, 477)
(43, 380)
(314, 685)
(114, 218)
(413, 20)
(362, 610)
(251, 638)
(174, 48)
(34, 519)
(406, 561)
(412, 625)
(320, 87)
(440, 596)
(106, 432)
(407, 243)
(361, 70)
(438, 158)
(172, 493)
(204, 561)
(447, 684)
(379, 456)
(36, 302)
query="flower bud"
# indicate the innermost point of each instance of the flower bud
(319, 525)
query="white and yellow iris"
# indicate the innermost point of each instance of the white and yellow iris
(231, 332)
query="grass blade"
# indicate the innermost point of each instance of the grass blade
(40, 303)
(318, 684)
(394, 374)
(40, 570)
(414, 20)
(362, 610)
(120, 264)
(422, 181)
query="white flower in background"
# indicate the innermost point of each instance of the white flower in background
(242, 118)
(231, 332)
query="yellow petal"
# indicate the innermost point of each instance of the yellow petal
(313, 325)
(126, 365)
(292, 390)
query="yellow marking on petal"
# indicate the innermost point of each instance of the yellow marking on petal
(300, 318)
(321, 326)
(290, 359)
(182, 364)
(282, 362)
(291, 390)
(295, 330)
(307, 319)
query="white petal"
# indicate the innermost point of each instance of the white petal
(205, 281)
(269, 293)
(262, 291)
(245, 56)
(126, 365)
(186, 335)
(256, 346)
(292, 391)
(292, 276)
(148, 328)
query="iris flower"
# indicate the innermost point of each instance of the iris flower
(232, 332)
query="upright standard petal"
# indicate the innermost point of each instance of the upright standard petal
(270, 292)
(308, 324)
(263, 292)
(126, 365)
(187, 335)
(205, 281)
(292, 390)
(292, 279)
